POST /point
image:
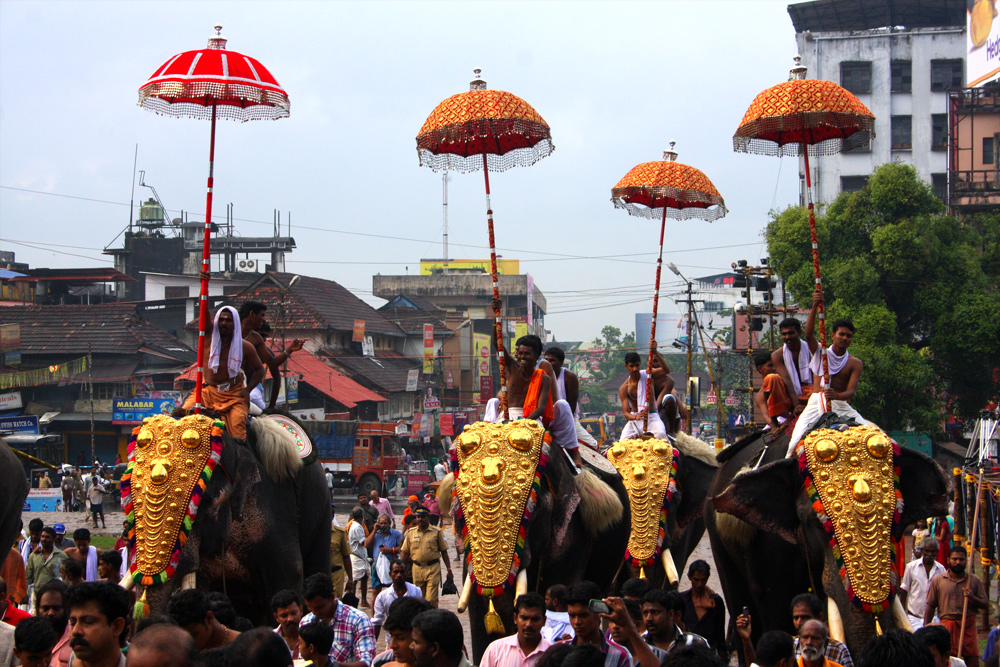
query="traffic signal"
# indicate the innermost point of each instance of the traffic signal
(739, 280)
(694, 392)
(762, 284)
(757, 324)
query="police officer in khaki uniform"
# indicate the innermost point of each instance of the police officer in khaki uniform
(340, 553)
(424, 545)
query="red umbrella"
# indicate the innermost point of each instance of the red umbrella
(485, 129)
(666, 188)
(802, 117)
(206, 84)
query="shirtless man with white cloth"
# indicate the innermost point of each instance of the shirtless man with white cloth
(567, 388)
(633, 394)
(845, 371)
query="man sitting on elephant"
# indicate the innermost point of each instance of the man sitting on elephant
(845, 372)
(226, 390)
(530, 393)
(793, 360)
(635, 404)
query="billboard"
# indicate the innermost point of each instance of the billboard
(428, 349)
(982, 42)
(669, 327)
(134, 410)
(481, 358)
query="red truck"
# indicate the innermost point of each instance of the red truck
(357, 453)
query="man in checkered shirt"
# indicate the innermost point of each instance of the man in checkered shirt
(353, 635)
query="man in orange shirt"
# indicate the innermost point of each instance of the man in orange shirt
(812, 645)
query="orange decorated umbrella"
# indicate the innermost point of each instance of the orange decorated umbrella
(488, 130)
(666, 188)
(206, 84)
(805, 117)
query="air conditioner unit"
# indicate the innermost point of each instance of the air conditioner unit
(246, 265)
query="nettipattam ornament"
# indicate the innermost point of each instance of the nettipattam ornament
(648, 469)
(853, 482)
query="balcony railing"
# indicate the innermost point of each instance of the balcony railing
(975, 183)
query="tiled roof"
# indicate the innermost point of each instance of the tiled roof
(313, 303)
(385, 372)
(411, 317)
(107, 328)
(320, 377)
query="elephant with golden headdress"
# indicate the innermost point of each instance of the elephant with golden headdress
(824, 522)
(528, 522)
(208, 511)
(667, 482)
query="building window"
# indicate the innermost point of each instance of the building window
(106, 390)
(176, 291)
(988, 157)
(902, 76)
(856, 76)
(946, 74)
(939, 131)
(855, 145)
(853, 183)
(939, 182)
(902, 133)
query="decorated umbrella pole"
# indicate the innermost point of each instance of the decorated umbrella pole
(661, 189)
(492, 130)
(802, 117)
(212, 83)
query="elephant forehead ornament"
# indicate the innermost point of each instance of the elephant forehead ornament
(648, 469)
(170, 463)
(500, 466)
(853, 483)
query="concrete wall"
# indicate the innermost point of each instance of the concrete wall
(823, 53)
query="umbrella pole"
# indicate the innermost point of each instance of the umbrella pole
(652, 326)
(815, 253)
(203, 300)
(501, 355)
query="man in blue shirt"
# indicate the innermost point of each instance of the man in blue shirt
(383, 543)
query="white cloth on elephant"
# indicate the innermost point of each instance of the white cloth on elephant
(813, 411)
(562, 428)
(634, 428)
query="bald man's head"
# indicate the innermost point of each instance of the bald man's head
(162, 645)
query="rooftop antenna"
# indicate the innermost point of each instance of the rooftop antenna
(131, 207)
(444, 187)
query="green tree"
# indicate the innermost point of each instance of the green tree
(920, 286)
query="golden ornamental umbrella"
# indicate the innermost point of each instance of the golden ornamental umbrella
(805, 117)
(488, 130)
(666, 188)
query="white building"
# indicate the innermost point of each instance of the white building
(900, 57)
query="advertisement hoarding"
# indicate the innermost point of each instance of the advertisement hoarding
(982, 43)
(134, 410)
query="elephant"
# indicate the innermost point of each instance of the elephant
(769, 541)
(262, 525)
(685, 525)
(578, 525)
(12, 494)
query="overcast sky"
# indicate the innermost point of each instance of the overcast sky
(615, 81)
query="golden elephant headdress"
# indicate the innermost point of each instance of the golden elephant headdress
(499, 472)
(170, 463)
(648, 468)
(852, 479)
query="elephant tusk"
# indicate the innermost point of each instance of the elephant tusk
(127, 582)
(669, 567)
(463, 599)
(834, 620)
(521, 585)
(899, 617)
(190, 580)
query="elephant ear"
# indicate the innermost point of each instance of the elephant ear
(695, 476)
(765, 498)
(924, 486)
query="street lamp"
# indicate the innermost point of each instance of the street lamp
(690, 304)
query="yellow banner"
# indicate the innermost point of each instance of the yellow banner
(482, 358)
